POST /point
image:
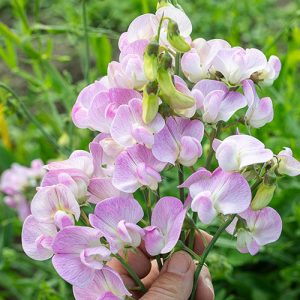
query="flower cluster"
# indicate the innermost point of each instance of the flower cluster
(165, 97)
(18, 185)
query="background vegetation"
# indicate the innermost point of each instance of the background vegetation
(46, 58)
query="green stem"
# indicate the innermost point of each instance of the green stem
(214, 134)
(149, 205)
(177, 63)
(131, 272)
(193, 231)
(32, 119)
(87, 46)
(180, 181)
(159, 263)
(207, 251)
(189, 250)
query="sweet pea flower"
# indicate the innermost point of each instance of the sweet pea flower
(128, 127)
(236, 64)
(166, 223)
(37, 238)
(19, 203)
(216, 102)
(104, 150)
(81, 108)
(217, 193)
(196, 64)
(287, 164)
(179, 141)
(56, 204)
(270, 73)
(259, 228)
(239, 151)
(116, 219)
(106, 285)
(105, 104)
(145, 27)
(78, 253)
(260, 111)
(136, 167)
(73, 173)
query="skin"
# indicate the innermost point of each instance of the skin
(174, 282)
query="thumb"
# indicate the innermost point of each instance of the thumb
(175, 282)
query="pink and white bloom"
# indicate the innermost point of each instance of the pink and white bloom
(106, 285)
(78, 253)
(73, 173)
(105, 105)
(104, 150)
(287, 165)
(239, 151)
(145, 27)
(179, 140)
(116, 219)
(236, 64)
(129, 129)
(136, 167)
(37, 238)
(217, 193)
(262, 227)
(55, 204)
(271, 71)
(81, 108)
(260, 111)
(166, 223)
(196, 64)
(216, 102)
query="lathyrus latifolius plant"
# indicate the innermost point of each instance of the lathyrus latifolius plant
(18, 185)
(159, 104)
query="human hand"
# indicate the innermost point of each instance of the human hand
(175, 281)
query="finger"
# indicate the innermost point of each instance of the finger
(201, 240)
(205, 290)
(152, 276)
(175, 281)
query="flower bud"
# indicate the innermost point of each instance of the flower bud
(263, 195)
(151, 60)
(175, 39)
(174, 98)
(162, 3)
(150, 102)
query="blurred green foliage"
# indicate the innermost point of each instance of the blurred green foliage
(45, 59)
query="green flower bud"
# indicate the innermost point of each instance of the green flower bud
(175, 39)
(151, 60)
(150, 102)
(168, 92)
(263, 195)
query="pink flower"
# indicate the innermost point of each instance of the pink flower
(287, 163)
(78, 253)
(217, 193)
(262, 227)
(196, 64)
(116, 219)
(260, 111)
(73, 173)
(129, 129)
(271, 71)
(136, 167)
(166, 223)
(55, 204)
(84, 101)
(236, 64)
(105, 104)
(37, 238)
(216, 102)
(239, 151)
(179, 141)
(106, 285)
(19, 203)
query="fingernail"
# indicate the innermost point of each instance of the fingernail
(208, 283)
(179, 263)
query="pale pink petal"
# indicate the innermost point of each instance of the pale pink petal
(203, 205)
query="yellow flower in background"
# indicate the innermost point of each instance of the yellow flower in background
(4, 133)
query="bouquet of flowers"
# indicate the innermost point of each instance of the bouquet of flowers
(169, 103)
